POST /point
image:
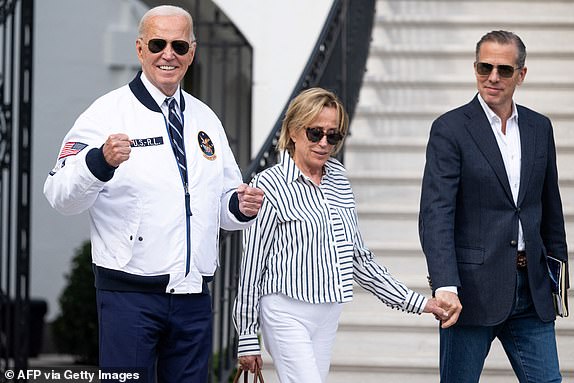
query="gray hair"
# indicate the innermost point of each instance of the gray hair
(505, 37)
(166, 10)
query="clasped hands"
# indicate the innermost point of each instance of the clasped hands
(445, 306)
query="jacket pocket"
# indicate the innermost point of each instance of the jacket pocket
(126, 237)
(471, 255)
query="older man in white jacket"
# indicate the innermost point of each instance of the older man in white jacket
(154, 224)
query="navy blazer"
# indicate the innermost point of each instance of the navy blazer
(468, 221)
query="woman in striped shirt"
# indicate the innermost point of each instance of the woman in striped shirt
(304, 250)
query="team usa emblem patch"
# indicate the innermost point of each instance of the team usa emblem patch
(206, 146)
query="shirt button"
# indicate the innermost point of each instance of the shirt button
(172, 291)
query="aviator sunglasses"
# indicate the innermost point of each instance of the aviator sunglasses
(180, 47)
(316, 135)
(506, 71)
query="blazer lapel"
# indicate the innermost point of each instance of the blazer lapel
(527, 148)
(481, 131)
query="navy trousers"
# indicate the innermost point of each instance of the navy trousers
(167, 337)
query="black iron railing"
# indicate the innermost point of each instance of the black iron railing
(337, 63)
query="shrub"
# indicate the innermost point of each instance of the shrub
(75, 330)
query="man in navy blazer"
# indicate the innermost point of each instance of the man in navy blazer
(490, 213)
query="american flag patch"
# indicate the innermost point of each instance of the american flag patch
(71, 149)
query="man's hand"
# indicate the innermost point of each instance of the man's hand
(250, 362)
(250, 199)
(117, 149)
(449, 302)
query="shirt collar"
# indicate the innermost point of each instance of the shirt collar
(293, 173)
(492, 117)
(156, 94)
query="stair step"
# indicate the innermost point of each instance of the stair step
(382, 349)
(391, 190)
(368, 313)
(404, 190)
(408, 155)
(400, 223)
(458, 14)
(372, 110)
(381, 122)
(451, 94)
(449, 50)
(437, 32)
(400, 353)
(399, 159)
(392, 64)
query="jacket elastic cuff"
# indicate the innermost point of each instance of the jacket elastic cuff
(98, 165)
(234, 208)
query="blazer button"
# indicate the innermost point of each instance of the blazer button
(513, 243)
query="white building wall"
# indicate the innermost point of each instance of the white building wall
(85, 48)
(282, 34)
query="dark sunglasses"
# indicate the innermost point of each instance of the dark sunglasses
(506, 71)
(316, 135)
(180, 47)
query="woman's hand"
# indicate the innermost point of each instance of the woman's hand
(250, 363)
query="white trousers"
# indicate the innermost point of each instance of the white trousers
(299, 336)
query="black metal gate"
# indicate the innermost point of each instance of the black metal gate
(221, 75)
(16, 32)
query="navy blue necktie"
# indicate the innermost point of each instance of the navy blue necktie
(176, 133)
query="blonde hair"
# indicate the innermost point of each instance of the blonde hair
(304, 109)
(166, 10)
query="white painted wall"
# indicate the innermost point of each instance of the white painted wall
(85, 48)
(282, 34)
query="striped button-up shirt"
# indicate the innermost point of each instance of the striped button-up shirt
(306, 244)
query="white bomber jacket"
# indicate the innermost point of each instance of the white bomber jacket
(142, 238)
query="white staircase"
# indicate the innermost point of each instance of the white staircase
(420, 66)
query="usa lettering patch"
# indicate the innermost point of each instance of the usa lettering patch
(71, 149)
(152, 141)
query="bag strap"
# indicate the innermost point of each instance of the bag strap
(258, 378)
(259, 374)
(238, 375)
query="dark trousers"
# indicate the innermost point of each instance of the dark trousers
(530, 344)
(167, 337)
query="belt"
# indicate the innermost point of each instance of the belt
(521, 260)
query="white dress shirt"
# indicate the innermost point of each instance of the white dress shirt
(509, 145)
